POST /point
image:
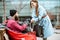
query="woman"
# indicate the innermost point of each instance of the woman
(39, 14)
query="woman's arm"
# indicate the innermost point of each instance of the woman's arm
(34, 17)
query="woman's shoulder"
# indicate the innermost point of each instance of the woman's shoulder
(41, 8)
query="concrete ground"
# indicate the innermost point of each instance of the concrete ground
(55, 36)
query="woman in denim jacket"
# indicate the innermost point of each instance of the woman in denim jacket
(38, 12)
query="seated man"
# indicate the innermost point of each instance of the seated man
(16, 29)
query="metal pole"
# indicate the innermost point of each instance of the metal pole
(4, 8)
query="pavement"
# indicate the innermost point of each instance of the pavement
(55, 36)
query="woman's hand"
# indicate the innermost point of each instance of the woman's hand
(32, 20)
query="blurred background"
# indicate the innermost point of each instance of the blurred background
(23, 7)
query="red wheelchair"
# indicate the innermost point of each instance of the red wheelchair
(20, 36)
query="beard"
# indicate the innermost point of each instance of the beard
(16, 18)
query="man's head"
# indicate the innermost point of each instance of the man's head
(14, 13)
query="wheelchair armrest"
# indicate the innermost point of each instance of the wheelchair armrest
(6, 36)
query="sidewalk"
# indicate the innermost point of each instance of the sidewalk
(55, 36)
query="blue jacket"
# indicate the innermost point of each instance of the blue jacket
(45, 22)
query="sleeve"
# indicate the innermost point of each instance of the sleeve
(34, 16)
(16, 25)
